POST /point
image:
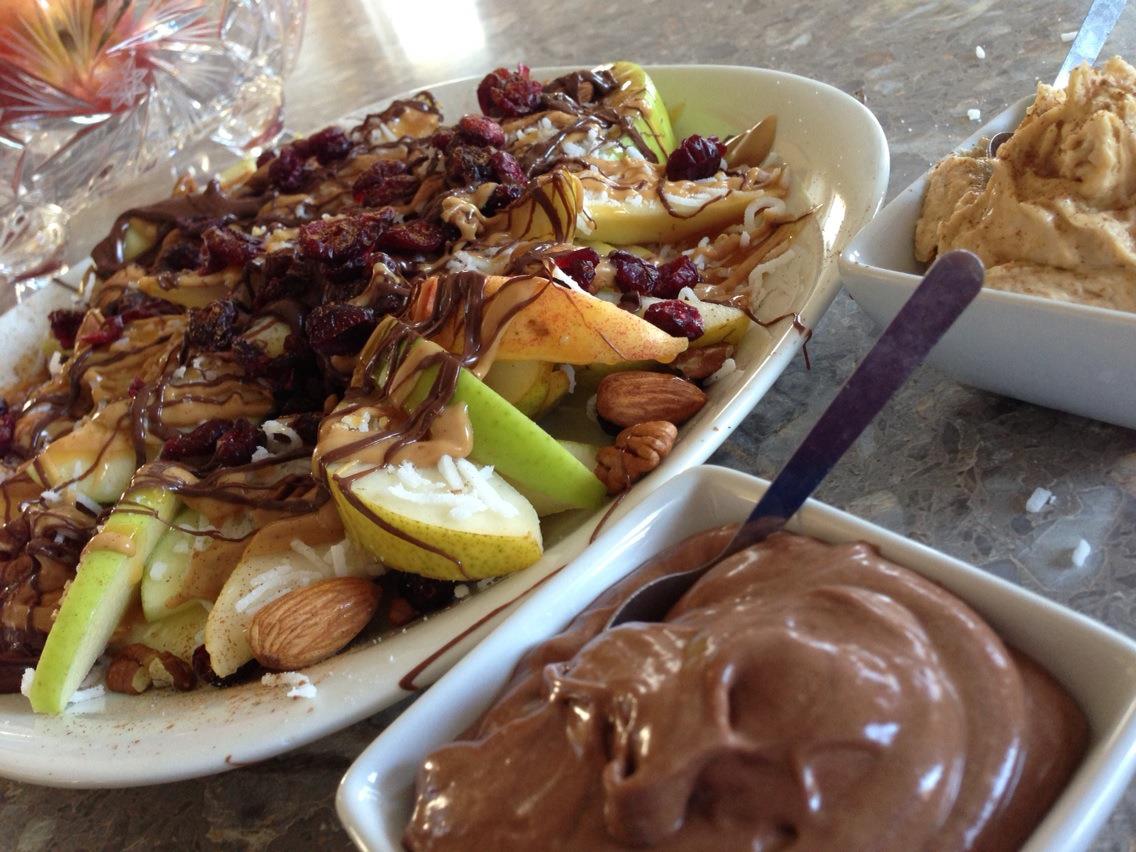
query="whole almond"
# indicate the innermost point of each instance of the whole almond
(636, 396)
(312, 623)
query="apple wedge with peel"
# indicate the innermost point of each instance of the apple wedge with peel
(639, 99)
(106, 581)
(416, 519)
(546, 212)
(502, 435)
(179, 634)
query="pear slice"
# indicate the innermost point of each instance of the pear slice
(414, 519)
(547, 212)
(109, 571)
(586, 454)
(533, 387)
(96, 459)
(277, 559)
(720, 323)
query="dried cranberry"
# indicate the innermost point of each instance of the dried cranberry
(676, 318)
(7, 430)
(468, 165)
(236, 445)
(442, 139)
(697, 157)
(423, 593)
(385, 182)
(479, 130)
(306, 425)
(179, 255)
(195, 226)
(509, 94)
(327, 146)
(282, 275)
(225, 247)
(674, 275)
(252, 358)
(213, 327)
(339, 240)
(265, 156)
(108, 332)
(415, 237)
(339, 329)
(199, 442)
(65, 325)
(633, 273)
(287, 172)
(502, 196)
(580, 264)
(506, 168)
(135, 305)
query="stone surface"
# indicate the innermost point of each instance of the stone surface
(944, 464)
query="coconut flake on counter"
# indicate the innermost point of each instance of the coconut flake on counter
(974, 114)
(1069, 36)
(1081, 553)
(979, 52)
(299, 685)
(1037, 501)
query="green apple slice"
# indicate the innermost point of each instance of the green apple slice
(517, 448)
(638, 97)
(414, 519)
(109, 571)
(167, 567)
(586, 454)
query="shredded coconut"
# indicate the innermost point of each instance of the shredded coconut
(275, 430)
(1040, 498)
(979, 52)
(87, 503)
(1081, 553)
(590, 409)
(26, 681)
(449, 472)
(461, 591)
(728, 366)
(338, 554)
(159, 571)
(50, 497)
(974, 114)
(570, 372)
(81, 695)
(483, 490)
(55, 365)
(308, 552)
(260, 454)
(743, 239)
(299, 685)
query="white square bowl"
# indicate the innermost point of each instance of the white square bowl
(1076, 358)
(1096, 664)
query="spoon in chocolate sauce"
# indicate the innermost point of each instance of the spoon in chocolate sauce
(949, 286)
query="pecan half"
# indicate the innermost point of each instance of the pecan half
(138, 667)
(702, 362)
(637, 451)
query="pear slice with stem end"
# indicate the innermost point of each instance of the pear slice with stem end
(106, 581)
(414, 519)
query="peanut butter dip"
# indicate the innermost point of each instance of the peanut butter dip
(799, 696)
(1053, 213)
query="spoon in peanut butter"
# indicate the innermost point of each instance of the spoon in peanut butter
(949, 286)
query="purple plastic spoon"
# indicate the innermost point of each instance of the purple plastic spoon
(948, 287)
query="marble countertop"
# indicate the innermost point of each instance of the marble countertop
(946, 465)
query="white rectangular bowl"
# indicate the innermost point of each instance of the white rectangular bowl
(1096, 664)
(1075, 358)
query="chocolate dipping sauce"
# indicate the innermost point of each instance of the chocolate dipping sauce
(800, 696)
